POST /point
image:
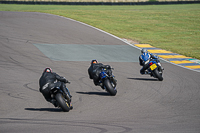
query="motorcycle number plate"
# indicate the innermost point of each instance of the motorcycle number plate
(154, 66)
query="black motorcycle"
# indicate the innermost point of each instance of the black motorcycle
(63, 100)
(108, 80)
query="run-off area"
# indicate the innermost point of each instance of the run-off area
(87, 52)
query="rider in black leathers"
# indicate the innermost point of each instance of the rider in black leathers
(50, 80)
(95, 69)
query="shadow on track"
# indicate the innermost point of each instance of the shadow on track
(45, 109)
(145, 79)
(95, 93)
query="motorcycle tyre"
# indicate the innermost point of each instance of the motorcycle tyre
(61, 102)
(158, 75)
(109, 88)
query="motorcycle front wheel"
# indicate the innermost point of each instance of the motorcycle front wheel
(62, 103)
(110, 88)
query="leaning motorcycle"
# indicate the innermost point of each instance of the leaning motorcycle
(154, 68)
(109, 82)
(63, 100)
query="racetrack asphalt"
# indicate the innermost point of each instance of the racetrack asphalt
(142, 104)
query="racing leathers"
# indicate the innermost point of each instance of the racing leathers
(50, 80)
(146, 55)
(95, 69)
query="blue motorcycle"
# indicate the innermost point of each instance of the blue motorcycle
(154, 67)
(108, 80)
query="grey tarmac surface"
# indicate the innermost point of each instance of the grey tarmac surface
(142, 104)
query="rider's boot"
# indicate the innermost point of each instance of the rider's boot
(53, 101)
(101, 84)
(142, 72)
(71, 107)
(146, 72)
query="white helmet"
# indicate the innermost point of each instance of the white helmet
(48, 69)
(144, 50)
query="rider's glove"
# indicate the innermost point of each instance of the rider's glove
(107, 66)
(67, 81)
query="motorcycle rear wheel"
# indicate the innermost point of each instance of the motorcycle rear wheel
(109, 88)
(158, 75)
(62, 103)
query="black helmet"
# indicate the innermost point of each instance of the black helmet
(48, 69)
(94, 61)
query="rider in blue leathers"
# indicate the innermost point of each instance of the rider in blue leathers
(144, 57)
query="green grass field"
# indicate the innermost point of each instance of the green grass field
(171, 27)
